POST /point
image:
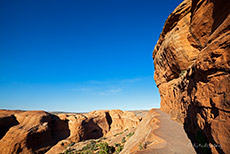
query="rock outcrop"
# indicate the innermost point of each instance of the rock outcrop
(30, 131)
(96, 124)
(144, 135)
(158, 134)
(192, 71)
(37, 131)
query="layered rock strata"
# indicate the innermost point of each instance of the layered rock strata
(192, 71)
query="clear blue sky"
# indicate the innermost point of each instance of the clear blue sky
(79, 55)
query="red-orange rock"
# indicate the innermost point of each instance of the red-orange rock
(192, 71)
(122, 120)
(143, 134)
(33, 132)
(37, 131)
(96, 124)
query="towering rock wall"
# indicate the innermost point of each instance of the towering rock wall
(192, 71)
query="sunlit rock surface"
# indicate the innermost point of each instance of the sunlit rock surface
(192, 66)
(37, 131)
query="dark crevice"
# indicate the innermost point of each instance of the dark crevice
(220, 12)
(109, 119)
(215, 55)
(6, 123)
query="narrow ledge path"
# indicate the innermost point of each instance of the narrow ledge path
(173, 133)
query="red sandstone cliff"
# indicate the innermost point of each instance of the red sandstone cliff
(192, 71)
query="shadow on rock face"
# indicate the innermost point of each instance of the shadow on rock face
(55, 131)
(200, 137)
(220, 12)
(91, 129)
(109, 119)
(196, 136)
(6, 123)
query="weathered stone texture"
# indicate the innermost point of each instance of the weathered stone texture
(192, 71)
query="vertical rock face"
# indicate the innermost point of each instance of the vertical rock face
(192, 71)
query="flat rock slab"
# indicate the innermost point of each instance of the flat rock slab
(173, 133)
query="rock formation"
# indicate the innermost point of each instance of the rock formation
(30, 131)
(38, 131)
(96, 124)
(192, 71)
(144, 135)
(158, 134)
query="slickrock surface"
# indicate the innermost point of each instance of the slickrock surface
(158, 134)
(172, 132)
(30, 131)
(144, 135)
(94, 125)
(37, 131)
(192, 66)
